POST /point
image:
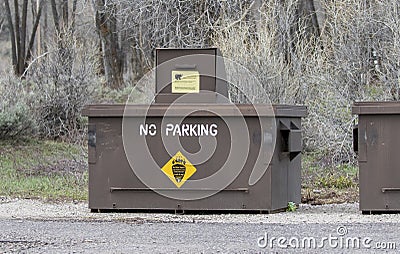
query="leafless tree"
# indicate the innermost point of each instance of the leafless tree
(21, 42)
(353, 55)
(61, 15)
(107, 26)
(63, 86)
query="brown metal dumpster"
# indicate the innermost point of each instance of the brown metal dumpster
(376, 141)
(193, 150)
(129, 157)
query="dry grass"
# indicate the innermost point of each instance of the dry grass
(43, 169)
(323, 183)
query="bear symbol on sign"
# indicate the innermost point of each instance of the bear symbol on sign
(178, 76)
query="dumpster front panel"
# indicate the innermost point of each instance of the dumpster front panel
(380, 171)
(114, 182)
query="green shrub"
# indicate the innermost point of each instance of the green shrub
(17, 120)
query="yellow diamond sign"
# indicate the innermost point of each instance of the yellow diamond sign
(178, 169)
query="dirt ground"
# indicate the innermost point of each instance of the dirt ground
(329, 196)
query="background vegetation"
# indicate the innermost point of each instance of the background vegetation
(59, 55)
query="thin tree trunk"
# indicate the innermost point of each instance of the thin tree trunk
(18, 35)
(74, 5)
(306, 12)
(21, 53)
(55, 15)
(12, 35)
(321, 15)
(21, 62)
(65, 13)
(34, 29)
(1, 23)
(39, 43)
(112, 57)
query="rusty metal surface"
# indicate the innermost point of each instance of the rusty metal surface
(378, 156)
(114, 185)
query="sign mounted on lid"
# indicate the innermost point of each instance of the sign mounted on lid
(185, 81)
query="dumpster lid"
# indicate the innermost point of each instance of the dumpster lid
(376, 108)
(194, 48)
(136, 110)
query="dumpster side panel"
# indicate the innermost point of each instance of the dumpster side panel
(279, 170)
(107, 159)
(294, 170)
(286, 173)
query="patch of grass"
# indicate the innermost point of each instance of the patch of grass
(43, 169)
(335, 181)
(323, 183)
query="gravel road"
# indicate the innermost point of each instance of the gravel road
(33, 226)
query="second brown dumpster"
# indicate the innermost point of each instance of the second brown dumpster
(377, 142)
